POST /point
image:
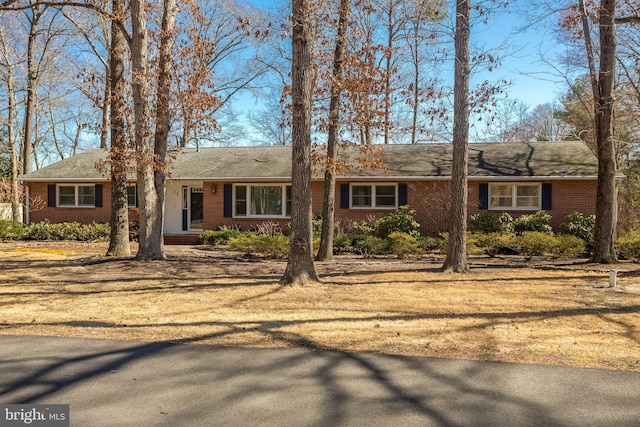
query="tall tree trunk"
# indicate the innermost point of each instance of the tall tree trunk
(32, 83)
(416, 82)
(11, 136)
(606, 206)
(325, 252)
(106, 103)
(143, 141)
(456, 259)
(300, 268)
(119, 238)
(163, 120)
(387, 77)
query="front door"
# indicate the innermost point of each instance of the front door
(196, 205)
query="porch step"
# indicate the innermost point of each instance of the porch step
(181, 239)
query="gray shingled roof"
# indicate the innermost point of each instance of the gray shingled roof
(419, 161)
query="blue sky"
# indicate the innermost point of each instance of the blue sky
(532, 80)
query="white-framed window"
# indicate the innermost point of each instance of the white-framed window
(74, 196)
(132, 195)
(374, 196)
(523, 196)
(262, 200)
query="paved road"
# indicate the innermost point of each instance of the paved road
(112, 383)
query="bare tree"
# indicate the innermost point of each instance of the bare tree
(300, 268)
(325, 252)
(602, 83)
(11, 122)
(456, 259)
(119, 237)
(151, 152)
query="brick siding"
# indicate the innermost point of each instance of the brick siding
(430, 199)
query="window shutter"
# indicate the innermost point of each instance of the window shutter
(403, 198)
(546, 197)
(51, 195)
(98, 195)
(344, 196)
(228, 200)
(483, 196)
(137, 198)
(185, 208)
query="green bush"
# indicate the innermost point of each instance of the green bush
(11, 230)
(535, 243)
(367, 245)
(492, 244)
(579, 225)
(432, 244)
(568, 246)
(628, 246)
(218, 237)
(402, 220)
(403, 245)
(276, 246)
(95, 231)
(342, 243)
(364, 227)
(539, 222)
(47, 230)
(489, 222)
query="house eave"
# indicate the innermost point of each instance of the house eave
(377, 178)
(65, 179)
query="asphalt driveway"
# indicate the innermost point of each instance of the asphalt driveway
(112, 383)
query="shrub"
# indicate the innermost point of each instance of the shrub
(579, 225)
(535, 243)
(11, 230)
(432, 244)
(403, 245)
(46, 230)
(218, 237)
(367, 245)
(493, 244)
(268, 228)
(538, 222)
(489, 222)
(276, 246)
(628, 246)
(364, 227)
(402, 220)
(95, 231)
(567, 246)
(342, 243)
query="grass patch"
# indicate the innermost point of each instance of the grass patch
(500, 312)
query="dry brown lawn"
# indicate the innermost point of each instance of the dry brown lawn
(504, 310)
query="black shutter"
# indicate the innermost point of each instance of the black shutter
(228, 200)
(185, 210)
(51, 195)
(344, 196)
(546, 197)
(403, 198)
(483, 196)
(98, 195)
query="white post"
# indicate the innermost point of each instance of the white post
(612, 278)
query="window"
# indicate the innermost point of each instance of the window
(132, 196)
(514, 196)
(269, 200)
(76, 195)
(381, 196)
